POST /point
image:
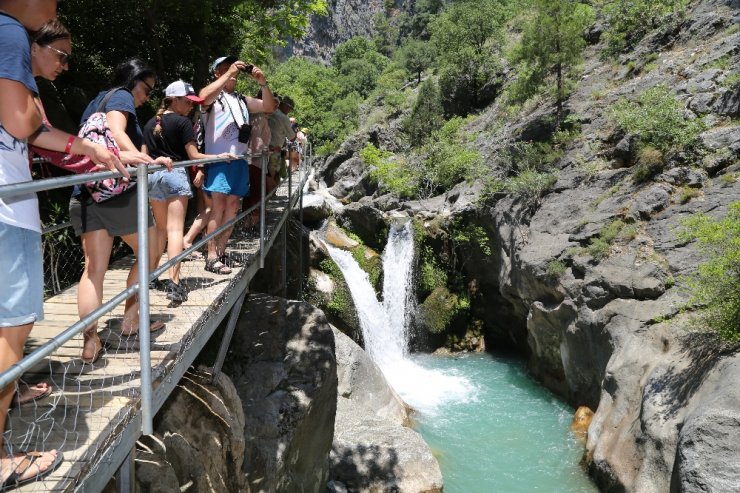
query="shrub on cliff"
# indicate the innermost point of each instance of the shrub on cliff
(630, 20)
(716, 284)
(657, 118)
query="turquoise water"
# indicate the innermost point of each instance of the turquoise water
(508, 435)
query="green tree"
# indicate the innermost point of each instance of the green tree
(426, 115)
(320, 104)
(179, 39)
(552, 44)
(464, 37)
(416, 56)
(716, 284)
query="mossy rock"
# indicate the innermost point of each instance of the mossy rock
(440, 309)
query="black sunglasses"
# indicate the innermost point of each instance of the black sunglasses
(148, 89)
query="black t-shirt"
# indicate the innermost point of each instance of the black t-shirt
(176, 132)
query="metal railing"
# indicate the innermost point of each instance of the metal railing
(141, 289)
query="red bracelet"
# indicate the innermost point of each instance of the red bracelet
(70, 141)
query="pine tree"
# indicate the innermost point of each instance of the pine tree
(552, 44)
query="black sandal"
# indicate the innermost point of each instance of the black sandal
(230, 262)
(217, 267)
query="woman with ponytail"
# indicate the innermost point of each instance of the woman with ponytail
(170, 134)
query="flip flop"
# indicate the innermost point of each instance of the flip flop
(14, 480)
(28, 393)
(154, 327)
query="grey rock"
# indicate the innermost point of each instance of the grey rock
(361, 381)
(702, 102)
(683, 175)
(624, 151)
(283, 367)
(728, 103)
(709, 440)
(387, 202)
(315, 208)
(198, 439)
(652, 200)
(365, 221)
(373, 450)
(721, 138)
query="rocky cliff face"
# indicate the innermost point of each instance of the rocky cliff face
(345, 19)
(608, 333)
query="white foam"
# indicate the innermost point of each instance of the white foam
(385, 326)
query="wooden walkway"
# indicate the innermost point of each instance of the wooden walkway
(93, 416)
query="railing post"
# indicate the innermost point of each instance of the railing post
(300, 238)
(126, 477)
(226, 341)
(263, 185)
(142, 191)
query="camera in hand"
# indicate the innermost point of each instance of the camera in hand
(248, 68)
(245, 131)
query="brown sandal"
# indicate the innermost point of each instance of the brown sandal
(217, 267)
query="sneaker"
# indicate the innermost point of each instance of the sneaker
(175, 292)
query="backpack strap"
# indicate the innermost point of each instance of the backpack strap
(106, 98)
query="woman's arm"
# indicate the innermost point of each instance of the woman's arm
(192, 149)
(18, 111)
(57, 140)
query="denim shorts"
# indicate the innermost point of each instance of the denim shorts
(166, 184)
(22, 271)
(228, 178)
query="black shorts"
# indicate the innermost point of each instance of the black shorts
(116, 215)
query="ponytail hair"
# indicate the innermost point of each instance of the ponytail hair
(166, 103)
(127, 74)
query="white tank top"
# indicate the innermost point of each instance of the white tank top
(20, 210)
(222, 129)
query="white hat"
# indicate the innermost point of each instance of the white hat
(181, 88)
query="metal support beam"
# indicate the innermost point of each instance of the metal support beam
(126, 476)
(226, 341)
(142, 204)
(284, 260)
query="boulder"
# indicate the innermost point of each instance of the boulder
(709, 440)
(316, 208)
(365, 221)
(198, 440)
(652, 200)
(338, 238)
(373, 451)
(283, 367)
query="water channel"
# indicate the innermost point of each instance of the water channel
(491, 427)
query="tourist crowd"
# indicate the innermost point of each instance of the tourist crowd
(227, 127)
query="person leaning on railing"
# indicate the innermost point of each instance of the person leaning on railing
(280, 129)
(170, 134)
(98, 223)
(21, 292)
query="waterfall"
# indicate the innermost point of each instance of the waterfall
(385, 326)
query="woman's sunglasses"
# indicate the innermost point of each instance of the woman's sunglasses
(148, 89)
(63, 55)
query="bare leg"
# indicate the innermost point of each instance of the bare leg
(233, 206)
(96, 246)
(131, 310)
(201, 220)
(12, 340)
(176, 208)
(159, 209)
(215, 220)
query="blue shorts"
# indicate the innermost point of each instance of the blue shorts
(166, 184)
(22, 272)
(228, 178)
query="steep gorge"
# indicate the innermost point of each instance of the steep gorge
(604, 332)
